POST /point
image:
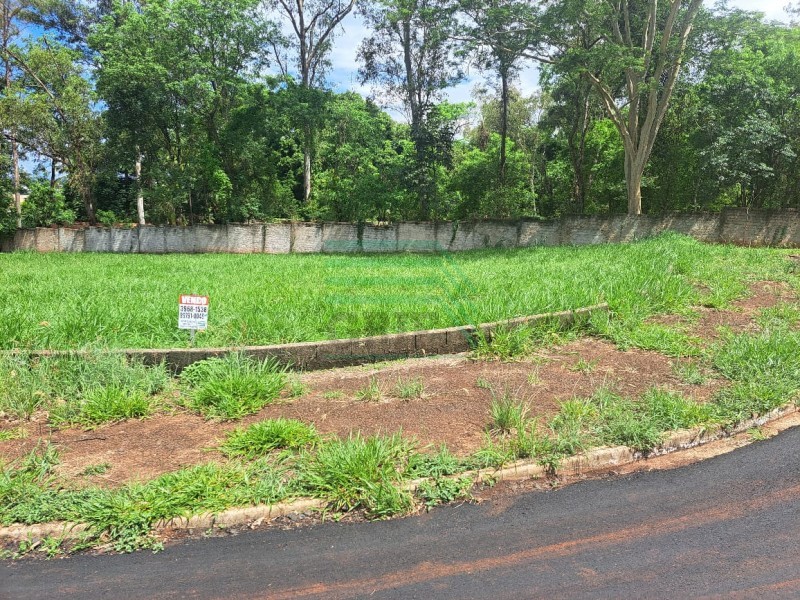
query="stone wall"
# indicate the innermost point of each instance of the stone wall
(735, 226)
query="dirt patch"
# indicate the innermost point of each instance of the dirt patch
(742, 314)
(452, 410)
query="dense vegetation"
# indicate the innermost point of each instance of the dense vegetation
(182, 111)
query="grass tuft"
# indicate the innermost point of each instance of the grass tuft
(507, 414)
(261, 438)
(232, 387)
(360, 472)
(408, 389)
(372, 392)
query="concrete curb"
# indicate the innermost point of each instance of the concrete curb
(597, 459)
(348, 352)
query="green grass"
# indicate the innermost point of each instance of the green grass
(78, 300)
(360, 472)
(31, 493)
(690, 372)
(372, 392)
(102, 404)
(507, 414)
(87, 389)
(408, 389)
(97, 469)
(232, 387)
(261, 438)
(15, 433)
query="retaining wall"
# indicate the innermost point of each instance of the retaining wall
(355, 351)
(736, 226)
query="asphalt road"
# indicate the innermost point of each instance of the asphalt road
(726, 527)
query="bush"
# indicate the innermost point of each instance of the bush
(46, 206)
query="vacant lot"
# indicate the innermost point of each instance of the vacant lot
(64, 301)
(697, 336)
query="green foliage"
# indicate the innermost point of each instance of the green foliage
(443, 491)
(29, 493)
(84, 388)
(232, 387)
(441, 464)
(360, 473)
(608, 419)
(770, 356)
(261, 438)
(45, 206)
(479, 193)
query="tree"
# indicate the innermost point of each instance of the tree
(496, 37)
(410, 56)
(171, 76)
(10, 12)
(313, 23)
(633, 63)
(52, 106)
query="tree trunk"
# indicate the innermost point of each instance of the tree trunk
(503, 123)
(307, 166)
(17, 195)
(6, 33)
(139, 193)
(633, 183)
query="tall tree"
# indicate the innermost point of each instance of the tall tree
(10, 13)
(171, 76)
(410, 56)
(496, 36)
(313, 24)
(52, 105)
(633, 63)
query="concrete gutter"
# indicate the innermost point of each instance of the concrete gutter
(596, 460)
(329, 354)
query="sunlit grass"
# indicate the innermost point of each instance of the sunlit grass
(79, 300)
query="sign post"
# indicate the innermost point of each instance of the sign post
(192, 313)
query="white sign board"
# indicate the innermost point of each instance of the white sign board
(192, 312)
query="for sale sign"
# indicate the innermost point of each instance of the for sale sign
(192, 312)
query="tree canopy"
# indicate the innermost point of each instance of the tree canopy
(215, 111)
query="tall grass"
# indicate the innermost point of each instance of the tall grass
(87, 389)
(78, 300)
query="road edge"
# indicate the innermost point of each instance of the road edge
(599, 459)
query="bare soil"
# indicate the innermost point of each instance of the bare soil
(453, 409)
